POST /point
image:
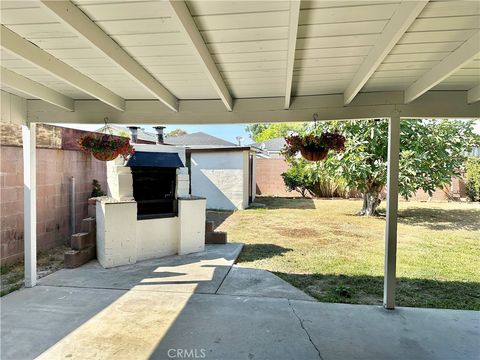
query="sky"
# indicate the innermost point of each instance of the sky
(226, 132)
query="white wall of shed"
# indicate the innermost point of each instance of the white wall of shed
(220, 176)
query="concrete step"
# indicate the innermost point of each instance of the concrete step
(92, 203)
(75, 258)
(82, 241)
(89, 225)
(216, 237)
(209, 227)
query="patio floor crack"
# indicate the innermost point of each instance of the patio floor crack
(304, 329)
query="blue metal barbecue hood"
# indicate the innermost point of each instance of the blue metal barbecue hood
(155, 159)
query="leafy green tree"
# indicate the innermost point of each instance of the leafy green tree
(473, 178)
(176, 132)
(123, 133)
(431, 152)
(263, 131)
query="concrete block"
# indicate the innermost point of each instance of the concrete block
(125, 185)
(183, 177)
(182, 170)
(82, 241)
(89, 225)
(209, 227)
(183, 188)
(216, 237)
(75, 258)
(91, 211)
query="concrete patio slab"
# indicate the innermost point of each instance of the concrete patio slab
(364, 332)
(148, 324)
(151, 320)
(256, 282)
(34, 319)
(199, 272)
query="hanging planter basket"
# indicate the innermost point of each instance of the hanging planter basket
(105, 155)
(106, 147)
(314, 147)
(314, 155)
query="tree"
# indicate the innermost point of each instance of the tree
(431, 152)
(473, 178)
(263, 131)
(176, 132)
(123, 133)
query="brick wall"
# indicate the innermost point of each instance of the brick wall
(58, 159)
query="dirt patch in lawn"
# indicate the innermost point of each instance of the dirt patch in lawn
(48, 261)
(296, 232)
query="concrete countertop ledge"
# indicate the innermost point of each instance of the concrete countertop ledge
(191, 197)
(108, 200)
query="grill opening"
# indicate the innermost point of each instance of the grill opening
(154, 192)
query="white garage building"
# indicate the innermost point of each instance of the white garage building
(224, 175)
(221, 171)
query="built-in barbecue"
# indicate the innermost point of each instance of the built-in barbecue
(154, 183)
(149, 212)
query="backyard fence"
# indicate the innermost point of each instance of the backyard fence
(58, 159)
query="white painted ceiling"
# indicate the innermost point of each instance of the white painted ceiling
(248, 41)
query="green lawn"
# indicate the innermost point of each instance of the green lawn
(322, 247)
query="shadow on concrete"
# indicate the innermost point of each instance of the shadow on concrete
(91, 312)
(441, 219)
(218, 217)
(364, 289)
(252, 252)
(285, 202)
(181, 315)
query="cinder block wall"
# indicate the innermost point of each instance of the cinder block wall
(270, 183)
(58, 158)
(269, 179)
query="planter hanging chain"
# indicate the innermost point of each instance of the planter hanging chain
(315, 125)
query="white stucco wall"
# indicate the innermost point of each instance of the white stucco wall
(122, 239)
(221, 177)
(191, 214)
(157, 237)
(116, 233)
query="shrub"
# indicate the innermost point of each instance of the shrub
(297, 178)
(313, 179)
(97, 189)
(472, 174)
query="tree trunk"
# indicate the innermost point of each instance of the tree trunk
(371, 201)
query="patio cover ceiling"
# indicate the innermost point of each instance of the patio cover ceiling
(240, 61)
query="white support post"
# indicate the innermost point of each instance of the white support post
(392, 210)
(30, 203)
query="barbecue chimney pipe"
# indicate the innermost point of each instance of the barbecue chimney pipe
(133, 133)
(159, 130)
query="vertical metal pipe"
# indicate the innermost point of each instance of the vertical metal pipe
(73, 214)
